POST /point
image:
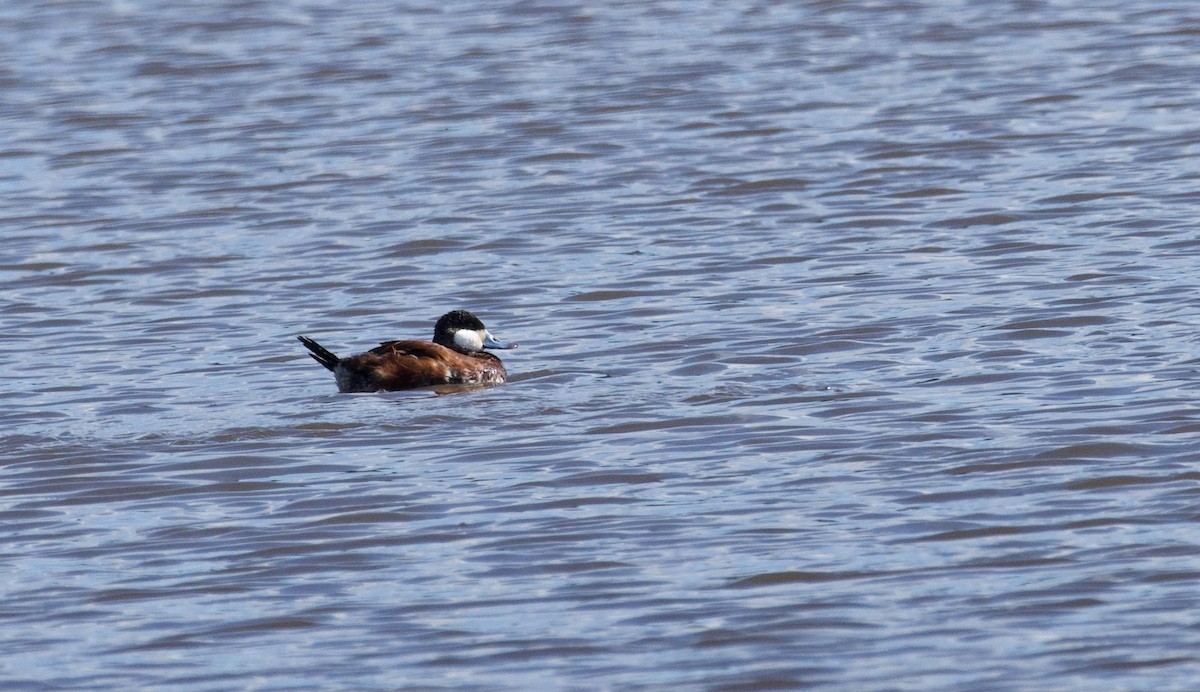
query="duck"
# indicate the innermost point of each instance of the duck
(455, 356)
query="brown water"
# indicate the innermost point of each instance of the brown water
(858, 345)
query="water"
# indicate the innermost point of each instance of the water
(858, 345)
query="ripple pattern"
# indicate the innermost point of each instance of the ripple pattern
(859, 345)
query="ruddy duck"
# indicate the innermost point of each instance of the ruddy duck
(455, 356)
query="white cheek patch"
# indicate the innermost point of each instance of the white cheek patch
(468, 340)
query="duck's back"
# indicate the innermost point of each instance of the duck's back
(409, 364)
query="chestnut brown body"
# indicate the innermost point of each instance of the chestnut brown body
(455, 356)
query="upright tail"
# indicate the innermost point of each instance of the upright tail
(319, 353)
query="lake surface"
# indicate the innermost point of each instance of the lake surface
(859, 345)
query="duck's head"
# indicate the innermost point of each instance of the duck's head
(462, 331)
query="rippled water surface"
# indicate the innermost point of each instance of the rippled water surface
(858, 345)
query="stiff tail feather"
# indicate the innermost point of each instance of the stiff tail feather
(319, 353)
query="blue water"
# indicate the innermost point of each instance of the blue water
(858, 345)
